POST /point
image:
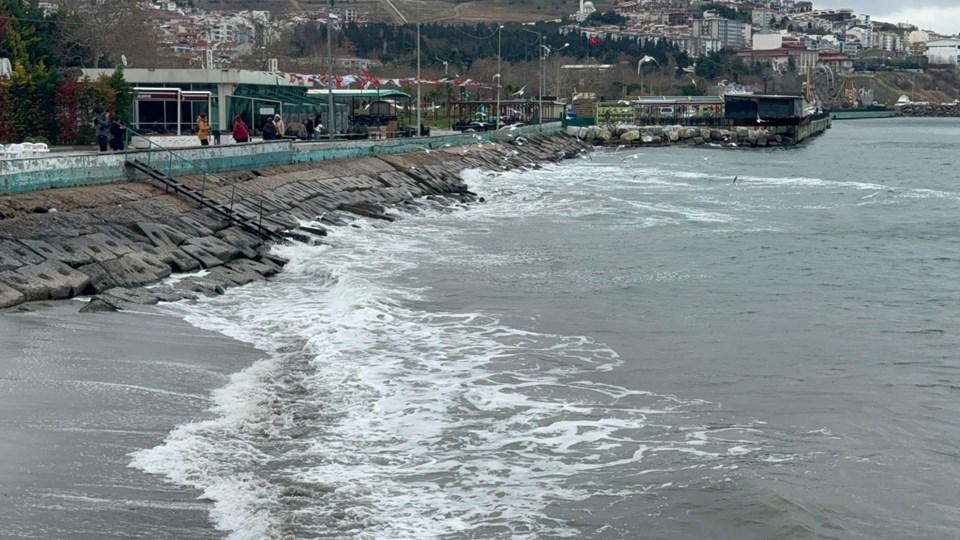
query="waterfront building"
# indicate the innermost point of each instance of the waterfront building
(943, 51)
(222, 94)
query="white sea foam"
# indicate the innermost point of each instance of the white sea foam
(381, 413)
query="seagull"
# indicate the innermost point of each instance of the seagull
(622, 146)
(735, 179)
(519, 93)
(760, 120)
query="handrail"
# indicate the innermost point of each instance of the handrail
(151, 143)
(203, 201)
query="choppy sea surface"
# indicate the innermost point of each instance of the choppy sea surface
(627, 345)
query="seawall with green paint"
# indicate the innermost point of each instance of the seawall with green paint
(26, 175)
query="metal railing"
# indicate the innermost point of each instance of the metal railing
(167, 156)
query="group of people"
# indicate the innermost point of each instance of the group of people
(110, 131)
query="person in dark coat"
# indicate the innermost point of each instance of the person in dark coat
(269, 130)
(117, 129)
(308, 125)
(102, 126)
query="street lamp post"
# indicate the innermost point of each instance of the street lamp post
(539, 77)
(419, 129)
(547, 50)
(331, 123)
(499, 77)
(640, 64)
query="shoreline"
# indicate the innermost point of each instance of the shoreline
(80, 392)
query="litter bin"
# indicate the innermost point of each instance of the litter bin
(216, 136)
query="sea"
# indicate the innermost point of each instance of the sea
(638, 343)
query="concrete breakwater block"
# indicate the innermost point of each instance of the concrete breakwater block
(112, 241)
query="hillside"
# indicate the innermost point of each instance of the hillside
(936, 85)
(425, 10)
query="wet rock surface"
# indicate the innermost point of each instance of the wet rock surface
(112, 241)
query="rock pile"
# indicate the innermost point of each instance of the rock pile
(947, 110)
(678, 135)
(110, 241)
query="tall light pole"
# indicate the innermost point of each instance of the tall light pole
(499, 77)
(331, 122)
(419, 129)
(539, 77)
(640, 63)
(540, 83)
(549, 50)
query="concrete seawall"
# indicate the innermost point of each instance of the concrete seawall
(112, 239)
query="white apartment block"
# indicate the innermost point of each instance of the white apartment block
(943, 51)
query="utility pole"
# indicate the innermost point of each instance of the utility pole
(540, 83)
(496, 122)
(419, 130)
(331, 122)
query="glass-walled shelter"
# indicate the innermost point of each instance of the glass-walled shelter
(169, 100)
(165, 111)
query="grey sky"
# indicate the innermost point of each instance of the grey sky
(942, 16)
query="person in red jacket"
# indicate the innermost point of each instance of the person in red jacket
(241, 133)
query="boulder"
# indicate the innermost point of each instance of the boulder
(98, 304)
(630, 135)
(10, 296)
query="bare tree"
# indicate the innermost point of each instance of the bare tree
(102, 32)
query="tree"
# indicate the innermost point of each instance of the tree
(97, 35)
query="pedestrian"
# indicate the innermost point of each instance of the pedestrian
(117, 129)
(102, 126)
(241, 133)
(308, 125)
(318, 125)
(278, 123)
(269, 130)
(203, 129)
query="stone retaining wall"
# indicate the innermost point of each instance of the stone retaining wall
(680, 135)
(136, 235)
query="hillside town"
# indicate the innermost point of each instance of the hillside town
(789, 35)
(352, 68)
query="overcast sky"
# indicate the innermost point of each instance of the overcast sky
(942, 16)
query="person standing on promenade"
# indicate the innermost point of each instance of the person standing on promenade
(117, 130)
(241, 133)
(308, 125)
(278, 123)
(102, 126)
(203, 129)
(269, 130)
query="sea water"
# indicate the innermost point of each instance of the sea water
(626, 345)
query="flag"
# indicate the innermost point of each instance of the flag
(594, 41)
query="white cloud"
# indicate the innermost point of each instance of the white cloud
(942, 16)
(944, 20)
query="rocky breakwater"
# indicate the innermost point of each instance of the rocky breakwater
(117, 241)
(679, 135)
(943, 110)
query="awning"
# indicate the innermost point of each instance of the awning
(368, 93)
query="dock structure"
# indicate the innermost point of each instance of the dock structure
(731, 119)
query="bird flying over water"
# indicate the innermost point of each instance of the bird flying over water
(735, 179)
